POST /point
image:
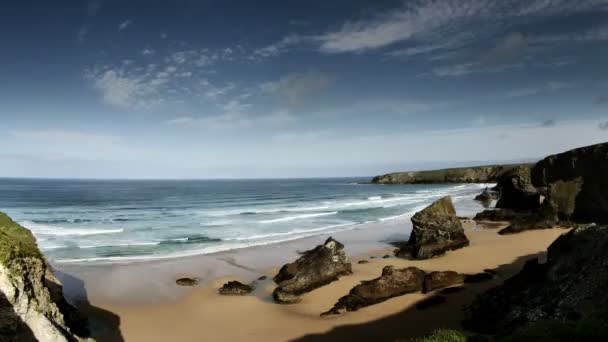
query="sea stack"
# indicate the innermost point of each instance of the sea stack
(436, 230)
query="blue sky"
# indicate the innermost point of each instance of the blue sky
(207, 89)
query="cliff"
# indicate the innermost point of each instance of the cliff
(473, 174)
(32, 306)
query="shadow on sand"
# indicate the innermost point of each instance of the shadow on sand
(416, 322)
(103, 325)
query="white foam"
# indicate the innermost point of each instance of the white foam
(43, 229)
(373, 198)
(292, 232)
(298, 217)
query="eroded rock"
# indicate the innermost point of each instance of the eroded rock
(235, 288)
(315, 268)
(436, 230)
(392, 283)
(187, 281)
(441, 279)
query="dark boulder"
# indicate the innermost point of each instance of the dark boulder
(544, 217)
(235, 288)
(187, 281)
(499, 215)
(392, 283)
(441, 279)
(517, 191)
(570, 286)
(487, 196)
(436, 230)
(577, 182)
(315, 268)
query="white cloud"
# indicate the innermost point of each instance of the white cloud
(440, 20)
(297, 86)
(123, 25)
(147, 52)
(276, 49)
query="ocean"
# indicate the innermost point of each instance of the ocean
(83, 221)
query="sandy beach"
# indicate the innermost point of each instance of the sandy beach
(199, 313)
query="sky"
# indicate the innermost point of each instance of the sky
(250, 89)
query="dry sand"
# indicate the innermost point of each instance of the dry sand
(203, 315)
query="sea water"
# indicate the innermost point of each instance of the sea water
(79, 221)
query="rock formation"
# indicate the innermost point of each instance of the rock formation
(392, 283)
(441, 279)
(516, 190)
(315, 268)
(32, 306)
(235, 288)
(436, 230)
(570, 286)
(577, 183)
(474, 174)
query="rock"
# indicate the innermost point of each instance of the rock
(362, 262)
(517, 191)
(544, 218)
(32, 306)
(499, 215)
(475, 174)
(235, 288)
(285, 297)
(386, 256)
(187, 281)
(315, 268)
(576, 182)
(570, 286)
(487, 196)
(392, 283)
(440, 279)
(262, 278)
(430, 302)
(436, 230)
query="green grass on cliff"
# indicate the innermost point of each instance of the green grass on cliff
(16, 242)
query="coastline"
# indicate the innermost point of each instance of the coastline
(150, 307)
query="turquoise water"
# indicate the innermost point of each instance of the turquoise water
(123, 220)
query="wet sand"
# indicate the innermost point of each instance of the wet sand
(199, 313)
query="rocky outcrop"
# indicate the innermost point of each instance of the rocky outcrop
(487, 196)
(436, 230)
(32, 306)
(577, 183)
(544, 217)
(474, 174)
(500, 215)
(516, 190)
(441, 279)
(315, 268)
(235, 288)
(570, 286)
(392, 283)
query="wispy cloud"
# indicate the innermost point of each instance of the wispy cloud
(123, 25)
(425, 20)
(278, 48)
(546, 88)
(296, 87)
(234, 118)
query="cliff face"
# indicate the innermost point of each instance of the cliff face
(474, 174)
(576, 181)
(32, 306)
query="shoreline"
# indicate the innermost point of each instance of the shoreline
(179, 313)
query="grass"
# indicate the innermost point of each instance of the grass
(442, 335)
(16, 243)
